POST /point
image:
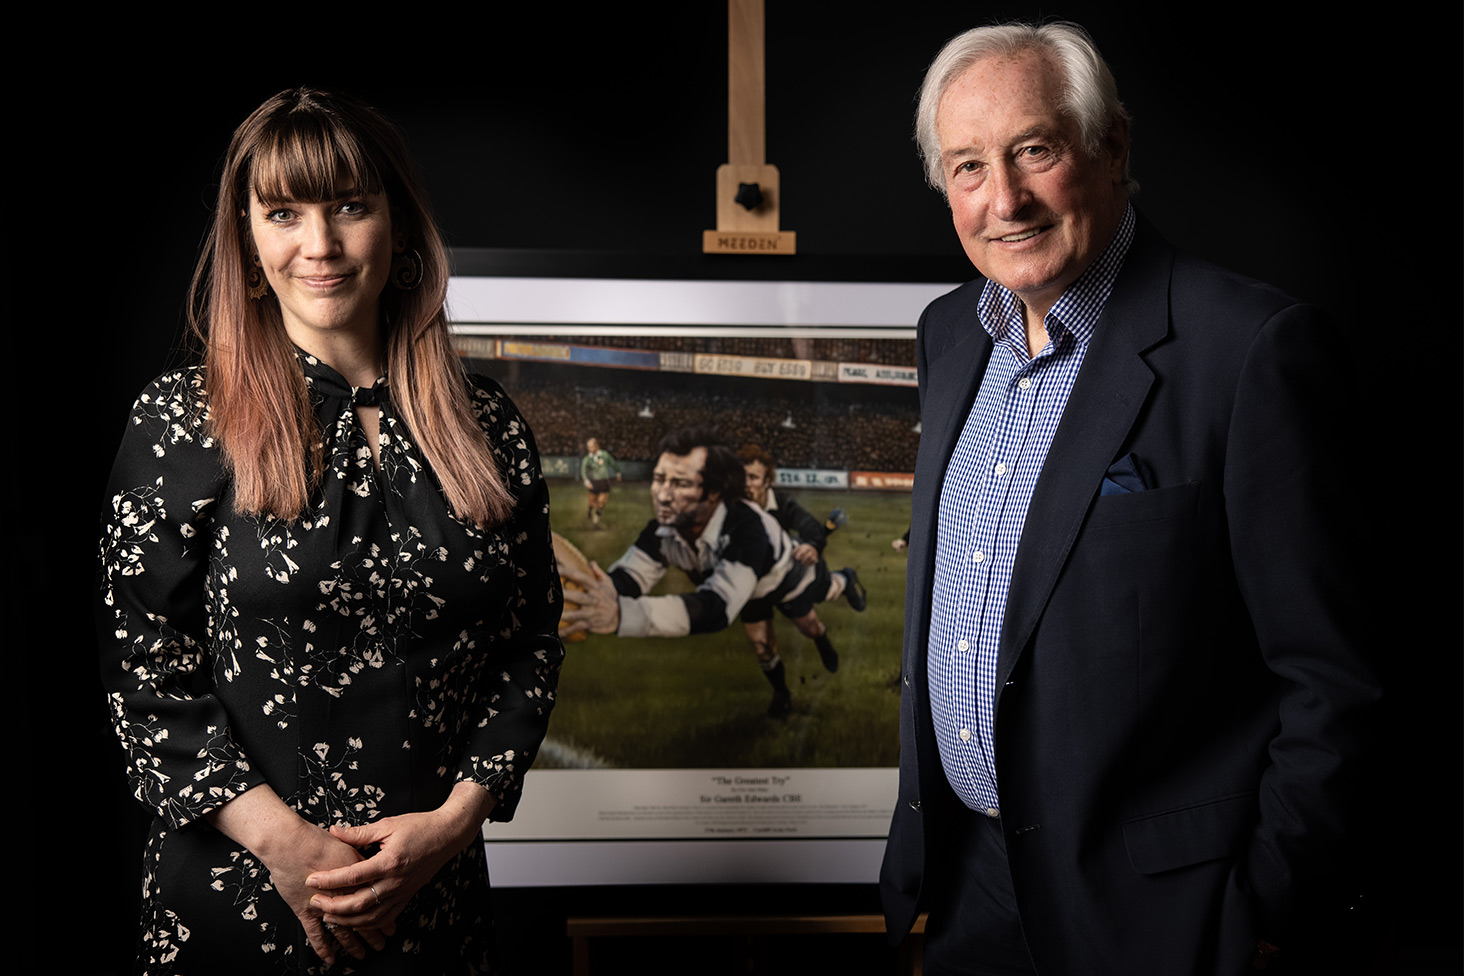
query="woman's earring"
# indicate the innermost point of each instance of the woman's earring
(256, 284)
(406, 270)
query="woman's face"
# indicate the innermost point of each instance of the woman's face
(327, 263)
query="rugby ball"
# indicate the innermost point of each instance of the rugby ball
(566, 554)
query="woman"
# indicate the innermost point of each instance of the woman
(329, 598)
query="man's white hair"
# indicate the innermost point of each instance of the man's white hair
(1089, 94)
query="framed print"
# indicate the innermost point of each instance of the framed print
(665, 761)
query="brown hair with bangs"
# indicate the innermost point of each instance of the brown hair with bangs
(302, 145)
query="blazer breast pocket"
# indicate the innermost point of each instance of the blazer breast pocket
(1154, 505)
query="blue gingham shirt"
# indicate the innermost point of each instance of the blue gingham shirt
(983, 504)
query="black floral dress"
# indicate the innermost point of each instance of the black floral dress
(361, 660)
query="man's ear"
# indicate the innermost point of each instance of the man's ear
(1116, 143)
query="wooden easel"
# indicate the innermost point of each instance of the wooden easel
(740, 229)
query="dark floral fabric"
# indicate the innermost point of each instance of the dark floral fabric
(361, 660)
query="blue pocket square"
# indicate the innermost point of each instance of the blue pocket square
(1123, 477)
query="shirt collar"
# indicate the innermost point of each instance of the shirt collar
(1076, 311)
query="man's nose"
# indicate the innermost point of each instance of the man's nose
(1009, 192)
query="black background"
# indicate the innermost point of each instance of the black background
(1322, 156)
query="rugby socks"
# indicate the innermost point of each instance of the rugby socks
(853, 589)
(782, 704)
(773, 670)
(826, 653)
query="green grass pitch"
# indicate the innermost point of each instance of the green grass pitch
(701, 701)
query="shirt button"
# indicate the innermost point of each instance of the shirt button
(993, 812)
(978, 556)
(1000, 468)
(965, 735)
(964, 645)
(1024, 383)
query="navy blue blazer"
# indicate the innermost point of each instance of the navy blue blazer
(1181, 684)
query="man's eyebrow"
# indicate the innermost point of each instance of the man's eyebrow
(1039, 131)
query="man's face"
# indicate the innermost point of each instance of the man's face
(677, 490)
(1032, 209)
(759, 479)
(592, 445)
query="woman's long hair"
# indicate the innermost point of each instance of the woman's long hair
(305, 145)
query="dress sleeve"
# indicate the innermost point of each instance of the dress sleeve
(522, 679)
(152, 616)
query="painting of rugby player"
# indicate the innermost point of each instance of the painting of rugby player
(740, 558)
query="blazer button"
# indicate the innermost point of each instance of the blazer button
(915, 805)
(907, 679)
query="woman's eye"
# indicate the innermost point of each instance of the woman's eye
(278, 216)
(353, 208)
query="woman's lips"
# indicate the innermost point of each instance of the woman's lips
(323, 282)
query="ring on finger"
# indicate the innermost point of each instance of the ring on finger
(375, 892)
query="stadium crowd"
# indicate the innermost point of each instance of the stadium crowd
(801, 431)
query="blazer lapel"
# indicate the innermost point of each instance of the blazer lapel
(1110, 390)
(954, 379)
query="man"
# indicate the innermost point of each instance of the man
(739, 557)
(1133, 692)
(809, 537)
(595, 472)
